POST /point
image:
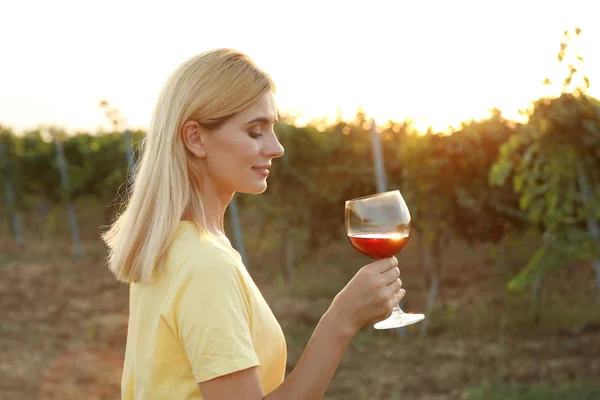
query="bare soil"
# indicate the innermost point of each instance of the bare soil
(64, 325)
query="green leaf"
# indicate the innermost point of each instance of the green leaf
(527, 275)
(518, 183)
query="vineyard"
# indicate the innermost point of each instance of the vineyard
(521, 200)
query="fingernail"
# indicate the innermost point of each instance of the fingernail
(402, 292)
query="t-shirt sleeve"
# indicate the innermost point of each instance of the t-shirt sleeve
(212, 315)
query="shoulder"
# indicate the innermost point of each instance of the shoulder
(207, 264)
(200, 265)
(192, 252)
(211, 278)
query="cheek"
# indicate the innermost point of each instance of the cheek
(235, 159)
(245, 152)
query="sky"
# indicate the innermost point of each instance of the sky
(439, 62)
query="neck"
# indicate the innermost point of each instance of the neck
(215, 204)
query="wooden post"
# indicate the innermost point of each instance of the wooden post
(593, 226)
(16, 225)
(129, 154)
(238, 236)
(64, 178)
(380, 179)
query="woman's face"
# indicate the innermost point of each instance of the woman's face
(238, 154)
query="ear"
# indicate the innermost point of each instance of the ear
(191, 134)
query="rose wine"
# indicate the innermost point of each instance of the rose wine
(378, 245)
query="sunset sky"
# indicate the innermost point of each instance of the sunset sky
(440, 62)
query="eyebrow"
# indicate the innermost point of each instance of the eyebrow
(262, 120)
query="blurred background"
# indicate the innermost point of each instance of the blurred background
(483, 113)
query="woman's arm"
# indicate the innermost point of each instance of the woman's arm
(368, 297)
(318, 363)
(309, 380)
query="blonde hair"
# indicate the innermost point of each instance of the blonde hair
(208, 88)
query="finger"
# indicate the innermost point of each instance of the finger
(390, 275)
(397, 283)
(385, 264)
(399, 295)
(393, 287)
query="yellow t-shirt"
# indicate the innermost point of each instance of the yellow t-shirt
(203, 317)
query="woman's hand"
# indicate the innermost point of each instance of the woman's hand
(369, 297)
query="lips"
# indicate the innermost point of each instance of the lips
(262, 169)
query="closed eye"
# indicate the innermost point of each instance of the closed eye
(255, 131)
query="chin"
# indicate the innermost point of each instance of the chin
(255, 189)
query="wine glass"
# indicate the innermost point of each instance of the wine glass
(378, 226)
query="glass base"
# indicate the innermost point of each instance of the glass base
(399, 319)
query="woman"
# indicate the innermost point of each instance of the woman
(199, 328)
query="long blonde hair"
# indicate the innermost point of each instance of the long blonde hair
(209, 88)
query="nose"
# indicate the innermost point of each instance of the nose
(274, 149)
